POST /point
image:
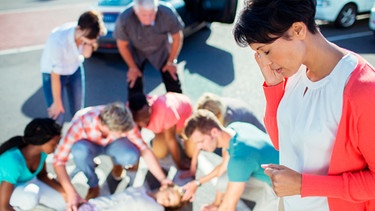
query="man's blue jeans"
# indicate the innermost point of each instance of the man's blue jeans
(122, 151)
(74, 88)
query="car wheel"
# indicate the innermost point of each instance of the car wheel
(347, 16)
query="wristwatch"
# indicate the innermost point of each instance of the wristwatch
(197, 183)
(172, 62)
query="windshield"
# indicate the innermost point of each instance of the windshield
(113, 2)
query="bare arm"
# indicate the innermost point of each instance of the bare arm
(57, 106)
(6, 190)
(73, 198)
(170, 66)
(154, 166)
(133, 71)
(219, 170)
(232, 195)
(43, 176)
(177, 40)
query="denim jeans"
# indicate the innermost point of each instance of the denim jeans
(122, 151)
(74, 88)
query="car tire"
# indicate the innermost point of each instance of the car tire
(347, 16)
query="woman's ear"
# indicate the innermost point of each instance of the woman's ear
(299, 30)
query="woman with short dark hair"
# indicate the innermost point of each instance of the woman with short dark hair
(319, 111)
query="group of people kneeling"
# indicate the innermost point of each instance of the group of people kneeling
(114, 130)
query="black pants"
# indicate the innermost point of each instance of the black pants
(170, 84)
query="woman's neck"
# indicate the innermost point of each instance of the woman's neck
(322, 57)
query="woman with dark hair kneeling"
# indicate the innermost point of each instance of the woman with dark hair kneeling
(22, 158)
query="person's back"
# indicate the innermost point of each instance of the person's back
(252, 145)
(239, 111)
(168, 110)
(165, 116)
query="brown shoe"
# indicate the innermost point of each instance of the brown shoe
(92, 193)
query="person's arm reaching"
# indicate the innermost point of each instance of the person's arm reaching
(171, 66)
(154, 166)
(73, 198)
(57, 106)
(191, 187)
(232, 196)
(43, 176)
(6, 190)
(133, 71)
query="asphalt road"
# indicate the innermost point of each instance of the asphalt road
(210, 61)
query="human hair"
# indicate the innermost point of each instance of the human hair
(264, 21)
(93, 22)
(136, 102)
(203, 121)
(146, 4)
(117, 117)
(212, 102)
(181, 204)
(38, 132)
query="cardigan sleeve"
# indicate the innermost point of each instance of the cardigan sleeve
(273, 96)
(352, 166)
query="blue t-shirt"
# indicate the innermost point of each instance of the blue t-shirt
(248, 149)
(13, 167)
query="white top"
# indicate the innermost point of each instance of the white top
(308, 123)
(61, 54)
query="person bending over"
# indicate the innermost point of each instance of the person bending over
(246, 149)
(105, 129)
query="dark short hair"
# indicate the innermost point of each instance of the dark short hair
(264, 21)
(137, 101)
(93, 22)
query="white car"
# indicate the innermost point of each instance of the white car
(371, 22)
(342, 12)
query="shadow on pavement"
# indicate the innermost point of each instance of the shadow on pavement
(208, 61)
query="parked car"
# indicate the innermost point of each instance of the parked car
(342, 12)
(196, 15)
(371, 21)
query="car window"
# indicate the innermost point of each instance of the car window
(113, 2)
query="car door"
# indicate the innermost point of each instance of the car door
(365, 5)
(223, 11)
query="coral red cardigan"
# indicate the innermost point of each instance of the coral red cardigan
(350, 183)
